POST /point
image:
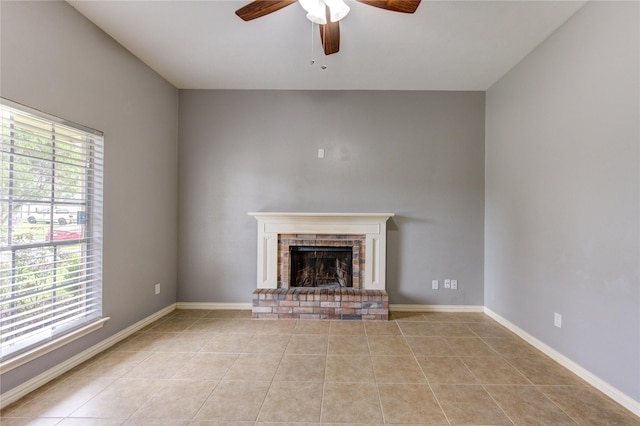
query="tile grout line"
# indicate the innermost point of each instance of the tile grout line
(195, 414)
(537, 387)
(528, 380)
(172, 378)
(428, 382)
(274, 375)
(324, 382)
(483, 384)
(375, 378)
(272, 378)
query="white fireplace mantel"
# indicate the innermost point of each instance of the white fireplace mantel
(372, 225)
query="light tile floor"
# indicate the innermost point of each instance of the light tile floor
(196, 367)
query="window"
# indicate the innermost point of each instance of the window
(50, 230)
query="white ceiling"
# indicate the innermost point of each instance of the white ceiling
(445, 45)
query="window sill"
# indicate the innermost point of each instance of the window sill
(51, 345)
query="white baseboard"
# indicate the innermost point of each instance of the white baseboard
(618, 396)
(41, 379)
(214, 306)
(435, 308)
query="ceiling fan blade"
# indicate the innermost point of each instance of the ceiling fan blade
(259, 8)
(330, 36)
(404, 6)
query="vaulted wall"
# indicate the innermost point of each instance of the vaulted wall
(55, 60)
(562, 193)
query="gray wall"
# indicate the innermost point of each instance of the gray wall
(562, 193)
(419, 155)
(54, 60)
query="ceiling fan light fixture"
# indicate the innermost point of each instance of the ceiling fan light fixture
(316, 11)
(338, 9)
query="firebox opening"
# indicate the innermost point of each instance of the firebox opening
(316, 266)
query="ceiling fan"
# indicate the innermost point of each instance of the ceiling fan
(325, 13)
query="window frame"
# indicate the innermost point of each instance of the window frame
(89, 242)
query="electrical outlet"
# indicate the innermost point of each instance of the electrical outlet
(447, 283)
(557, 320)
(434, 284)
(158, 288)
(454, 284)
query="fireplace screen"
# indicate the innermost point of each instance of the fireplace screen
(326, 267)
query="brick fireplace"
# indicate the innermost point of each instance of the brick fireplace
(279, 295)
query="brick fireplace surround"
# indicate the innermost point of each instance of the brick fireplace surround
(366, 300)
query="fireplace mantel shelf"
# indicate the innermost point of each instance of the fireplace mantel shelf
(324, 217)
(372, 225)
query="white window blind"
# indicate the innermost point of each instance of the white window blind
(51, 182)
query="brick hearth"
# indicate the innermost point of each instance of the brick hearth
(320, 303)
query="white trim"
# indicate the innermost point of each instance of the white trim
(435, 308)
(212, 306)
(41, 379)
(51, 345)
(618, 396)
